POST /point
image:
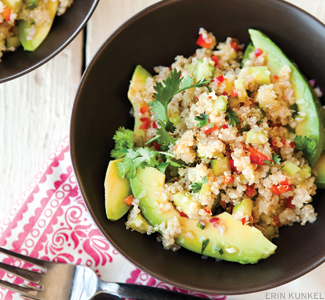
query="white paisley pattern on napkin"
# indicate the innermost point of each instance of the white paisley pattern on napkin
(50, 221)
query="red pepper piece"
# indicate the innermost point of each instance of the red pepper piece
(228, 179)
(234, 46)
(128, 200)
(232, 166)
(258, 52)
(183, 214)
(250, 191)
(6, 13)
(144, 108)
(204, 41)
(234, 92)
(258, 158)
(215, 58)
(154, 125)
(243, 221)
(275, 190)
(213, 128)
(285, 182)
(276, 221)
(214, 221)
(283, 188)
(207, 211)
(225, 94)
(289, 203)
(145, 123)
(156, 145)
(276, 77)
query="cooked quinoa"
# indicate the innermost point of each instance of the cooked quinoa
(38, 16)
(265, 113)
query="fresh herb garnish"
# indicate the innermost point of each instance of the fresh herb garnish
(267, 174)
(123, 142)
(165, 91)
(202, 119)
(306, 145)
(232, 117)
(276, 158)
(269, 162)
(162, 167)
(204, 245)
(245, 128)
(135, 160)
(196, 187)
(219, 249)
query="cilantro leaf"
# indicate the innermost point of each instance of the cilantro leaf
(162, 167)
(164, 93)
(267, 174)
(196, 187)
(232, 117)
(269, 162)
(204, 245)
(123, 141)
(306, 145)
(276, 158)
(205, 180)
(245, 128)
(202, 119)
(135, 160)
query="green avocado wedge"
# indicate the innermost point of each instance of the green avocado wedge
(312, 126)
(137, 84)
(116, 190)
(238, 243)
(249, 49)
(319, 170)
(31, 43)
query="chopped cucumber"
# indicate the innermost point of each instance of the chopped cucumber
(12, 41)
(15, 5)
(220, 104)
(220, 166)
(243, 208)
(175, 119)
(205, 189)
(239, 85)
(290, 168)
(256, 137)
(31, 4)
(262, 74)
(204, 70)
(183, 201)
(303, 174)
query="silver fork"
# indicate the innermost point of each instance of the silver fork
(70, 282)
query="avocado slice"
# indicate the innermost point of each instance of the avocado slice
(116, 190)
(319, 170)
(41, 31)
(239, 243)
(137, 84)
(312, 126)
(249, 49)
(15, 5)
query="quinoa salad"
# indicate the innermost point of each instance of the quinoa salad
(220, 128)
(21, 19)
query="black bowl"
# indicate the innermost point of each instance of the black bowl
(154, 37)
(65, 28)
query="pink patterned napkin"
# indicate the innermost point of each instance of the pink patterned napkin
(50, 221)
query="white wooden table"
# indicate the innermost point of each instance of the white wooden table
(35, 109)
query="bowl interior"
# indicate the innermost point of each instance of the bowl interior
(154, 37)
(64, 30)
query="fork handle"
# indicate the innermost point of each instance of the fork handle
(142, 292)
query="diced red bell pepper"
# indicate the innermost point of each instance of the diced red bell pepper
(275, 190)
(183, 214)
(250, 191)
(258, 158)
(285, 182)
(276, 77)
(214, 221)
(204, 41)
(289, 203)
(213, 128)
(6, 13)
(233, 167)
(283, 188)
(219, 79)
(234, 92)
(228, 179)
(156, 145)
(154, 125)
(144, 108)
(234, 46)
(291, 144)
(215, 58)
(243, 221)
(224, 93)
(145, 123)
(207, 211)
(258, 52)
(128, 200)
(276, 221)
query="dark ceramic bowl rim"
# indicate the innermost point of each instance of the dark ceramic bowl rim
(94, 59)
(58, 50)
